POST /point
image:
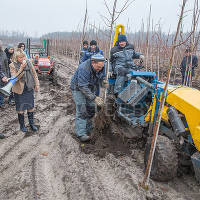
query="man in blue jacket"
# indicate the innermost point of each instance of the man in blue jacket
(121, 61)
(92, 50)
(84, 84)
(4, 79)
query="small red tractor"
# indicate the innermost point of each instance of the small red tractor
(42, 62)
(44, 65)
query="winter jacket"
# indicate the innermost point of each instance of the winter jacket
(186, 62)
(83, 50)
(123, 56)
(87, 80)
(90, 53)
(4, 65)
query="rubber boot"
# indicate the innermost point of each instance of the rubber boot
(84, 138)
(21, 122)
(31, 121)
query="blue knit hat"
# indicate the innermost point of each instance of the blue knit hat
(98, 58)
(122, 38)
(10, 46)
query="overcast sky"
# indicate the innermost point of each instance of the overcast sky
(37, 17)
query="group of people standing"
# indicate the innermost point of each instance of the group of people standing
(18, 64)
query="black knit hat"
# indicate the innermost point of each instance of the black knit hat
(122, 38)
(93, 42)
(85, 42)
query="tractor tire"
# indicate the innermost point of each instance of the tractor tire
(165, 162)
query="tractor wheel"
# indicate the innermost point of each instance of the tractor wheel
(165, 162)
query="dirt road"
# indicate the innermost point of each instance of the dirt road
(53, 165)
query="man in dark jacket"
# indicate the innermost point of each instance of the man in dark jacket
(84, 84)
(4, 79)
(83, 50)
(121, 61)
(9, 53)
(92, 50)
(188, 64)
(5, 70)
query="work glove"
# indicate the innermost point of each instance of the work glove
(105, 84)
(142, 58)
(99, 101)
(110, 74)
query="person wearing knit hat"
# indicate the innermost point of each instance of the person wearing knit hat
(85, 82)
(122, 38)
(93, 43)
(83, 50)
(92, 50)
(121, 61)
(9, 53)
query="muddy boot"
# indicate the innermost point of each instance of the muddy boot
(21, 122)
(31, 121)
(84, 138)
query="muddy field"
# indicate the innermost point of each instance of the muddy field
(53, 165)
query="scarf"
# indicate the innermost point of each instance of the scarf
(27, 78)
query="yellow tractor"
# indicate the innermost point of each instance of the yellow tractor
(178, 144)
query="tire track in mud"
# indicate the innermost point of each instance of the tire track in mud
(46, 169)
(11, 162)
(17, 142)
(33, 179)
